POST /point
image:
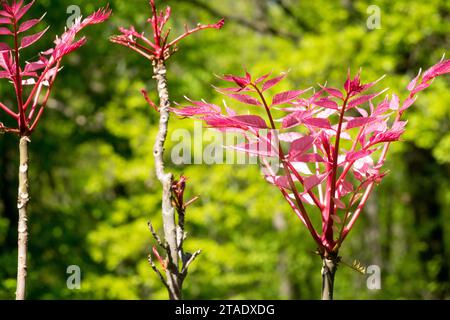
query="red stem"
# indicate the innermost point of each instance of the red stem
(368, 191)
(35, 102)
(328, 232)
(33, 91)
(156, 35)
(8, 111)
(306, 219)
(134, 48)
(300, 213)
(299, 177)
(44, 102)
(18, 82)
(350, 164)
(189, 32)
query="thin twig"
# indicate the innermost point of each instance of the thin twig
(156, 236)
(161, 277)
(189, 261)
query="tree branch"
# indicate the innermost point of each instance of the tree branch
(156, 237)
(22, 205)
(161, 277)
(166, 179)
(188, 262)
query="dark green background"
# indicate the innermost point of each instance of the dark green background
(93, 186)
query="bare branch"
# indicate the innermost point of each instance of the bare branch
(156, 236)
(189, 261)
(161, 277)
(22, 205)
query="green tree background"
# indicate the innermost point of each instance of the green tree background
(94, 190)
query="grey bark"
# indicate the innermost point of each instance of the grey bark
(166, 179)
(329, 267)
(22, 205)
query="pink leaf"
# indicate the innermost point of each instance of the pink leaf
(233, 89)
(344, 188)
(272, 82)
(262, 78)
(413, 82)
(382, 107)
(241, 82)
(327, 103)
(50, 74)
(29, 24)
(98, 16)
(4, 46)
(6, 61)
(4, 74)
(390, 135)
(334, 92)
(420, 87)
(358, 122)
(29, 40)
(394, 104)
(188, 111)
(367, 86)
(23, 10)
(285, 97)
(362, 112)
(313, 181)
(308, 157)
(251, 120)
(301, 167)
(219, 24)
(248, 77)
(294, 119)
(289, 136)
(5, 13)
(279, 181)
(198, 108)
(245, 99)
(257, 148)
(291, 120)
(318, 122)
(29, 82)
(408, 103)
(230, 111)
(5, 31)
(360, 100)
(300, 146)
(71, 47)
(306, 198)
(355, 155)
(436, 70)
(335, 217)
(16, 5)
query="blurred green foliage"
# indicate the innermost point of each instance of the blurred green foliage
(94, 189)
